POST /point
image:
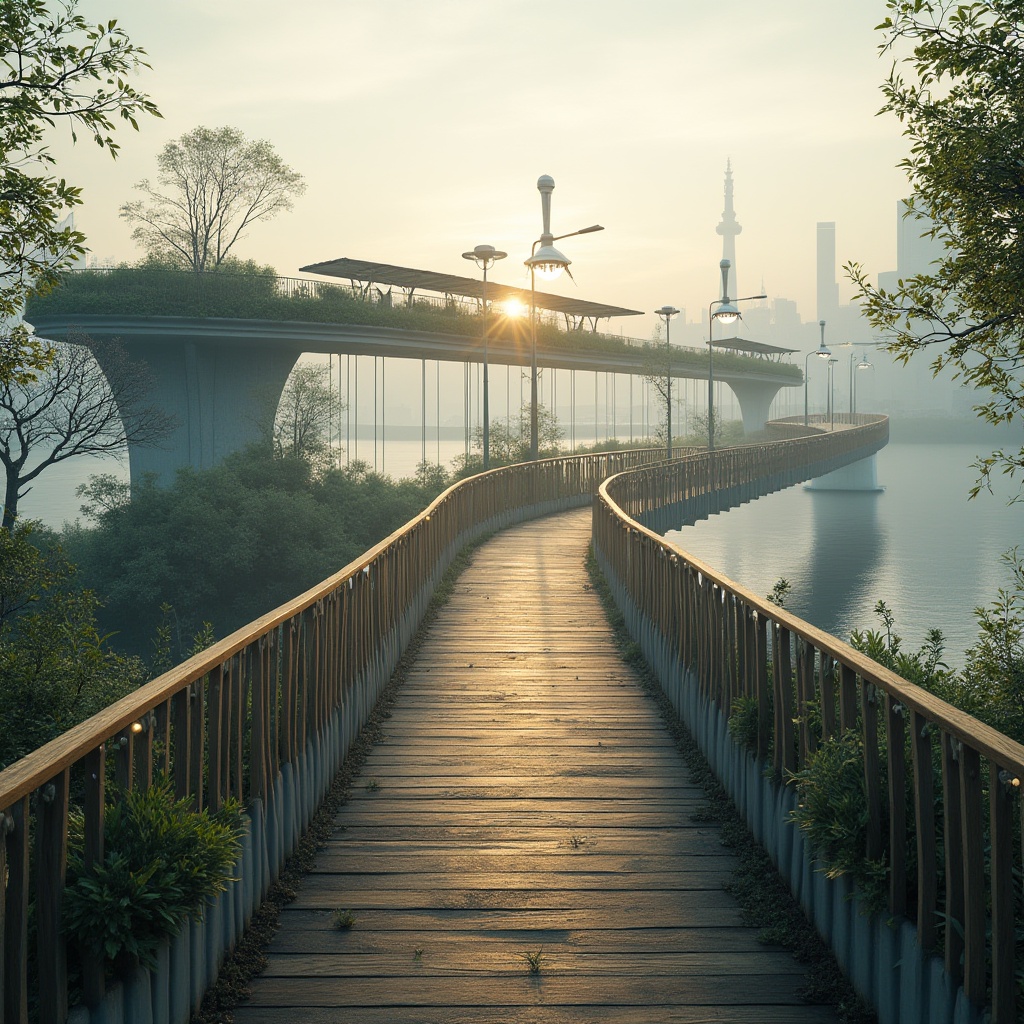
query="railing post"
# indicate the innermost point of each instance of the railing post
(896, 738)
(952, 817)
(972, 845)
(16, 916)
(924, 812)
(94, 767)
(872, 773)
(1002, 801)
(51, 868)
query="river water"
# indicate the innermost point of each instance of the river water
(920, 546)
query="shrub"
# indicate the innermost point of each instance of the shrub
(163, 861)
(832, 812)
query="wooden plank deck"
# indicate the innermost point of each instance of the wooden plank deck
(526, 798)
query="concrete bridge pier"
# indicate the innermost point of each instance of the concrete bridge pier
(859, 476)
(222, 394)
(755, 398)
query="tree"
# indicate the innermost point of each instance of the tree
(510, 441)
(304, 416)
(211, 185)
(52, 69)
(226, 544)
(962, 108)
(55, 668)
(73, 408)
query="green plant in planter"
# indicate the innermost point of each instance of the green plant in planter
(832, 812)
(162, 862)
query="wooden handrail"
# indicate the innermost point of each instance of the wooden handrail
(325, 653)
(718, 632)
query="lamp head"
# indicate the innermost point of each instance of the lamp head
(547, 262)
(864, 364)
(822, 351)
(726, 313)
(484, 256)
(666, 312)
(593, 227)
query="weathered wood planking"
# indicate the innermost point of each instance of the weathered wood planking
(525, 798)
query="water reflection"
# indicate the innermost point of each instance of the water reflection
(849, 545)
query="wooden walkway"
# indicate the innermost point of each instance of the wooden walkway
(526, 800)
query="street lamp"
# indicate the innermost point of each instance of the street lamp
(862, 365)
(485, 256)
(548, 262)
(666, 313)
(823, 353)
(727, 313)
(831, 395)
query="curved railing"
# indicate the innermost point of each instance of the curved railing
(712, 638)
(292, 689)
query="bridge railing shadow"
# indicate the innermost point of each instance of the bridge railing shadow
(942, 789)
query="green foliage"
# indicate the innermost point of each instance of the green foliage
(924, 667)
(961, 105)
(781, 589)
(56, 668)
(991, 685)
(300, 428)
(211, 185)
(227, 544)
(54, 68)
(163, 862)
(509, 441)
(534, 960)
(343, 919)
(137, 291)
(743, 720)
(832, 812)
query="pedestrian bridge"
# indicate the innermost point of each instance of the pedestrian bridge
(220, 347)
(525, 801)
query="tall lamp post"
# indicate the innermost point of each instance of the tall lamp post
(831, 397)
(548, 262)
(727, 313)
(823, 353)
(485, 256)
(666, 313)
(862, 365)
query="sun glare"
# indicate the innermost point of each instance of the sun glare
(514, 308)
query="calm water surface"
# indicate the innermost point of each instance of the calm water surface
(920, 546)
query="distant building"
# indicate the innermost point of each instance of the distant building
(729, 228)
(828, 287)
(915, 253)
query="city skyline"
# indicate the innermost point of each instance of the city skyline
(421, 132)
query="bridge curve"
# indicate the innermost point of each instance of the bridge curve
(221, 376)
(294, 687)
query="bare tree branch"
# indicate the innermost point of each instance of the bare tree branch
(74, 408)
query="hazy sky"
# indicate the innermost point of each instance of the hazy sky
(421, 127)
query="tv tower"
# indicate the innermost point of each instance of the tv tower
(729, 229)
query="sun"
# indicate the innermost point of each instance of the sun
(514, 308)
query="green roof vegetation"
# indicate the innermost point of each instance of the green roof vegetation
(142, 291)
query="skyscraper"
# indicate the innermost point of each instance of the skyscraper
(828, 288)
(729, 229)
(916, 253)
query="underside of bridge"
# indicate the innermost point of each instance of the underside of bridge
(222, 397)
(222, 379)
